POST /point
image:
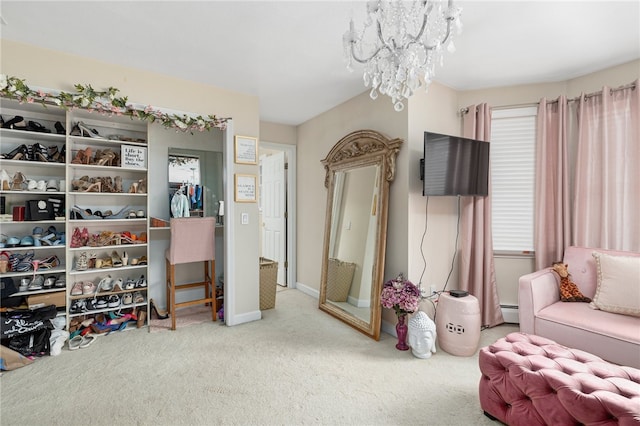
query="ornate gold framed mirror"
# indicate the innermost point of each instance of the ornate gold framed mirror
(359, 169)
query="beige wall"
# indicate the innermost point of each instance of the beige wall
(56, 70)
(278, 133)
(431, 258)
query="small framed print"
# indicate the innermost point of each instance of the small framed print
(246, 150)
(245, 188)
(134, 157)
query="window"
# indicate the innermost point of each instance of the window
(184, 169)
(513, 137)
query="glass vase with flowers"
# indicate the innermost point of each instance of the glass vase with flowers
(404, 297)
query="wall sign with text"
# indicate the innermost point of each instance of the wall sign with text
(245, 188)
(246, 150)
(134, 157)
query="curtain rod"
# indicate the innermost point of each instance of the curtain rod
(631, 86)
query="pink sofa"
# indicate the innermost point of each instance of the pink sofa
(614, 337)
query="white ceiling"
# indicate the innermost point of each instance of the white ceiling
(290, 55)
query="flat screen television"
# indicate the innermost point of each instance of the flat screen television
(455, 166)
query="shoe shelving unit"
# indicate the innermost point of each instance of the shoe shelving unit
(116, 133)
(12, 140)
(122, 191)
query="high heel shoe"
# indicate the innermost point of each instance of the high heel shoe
(94, 187)
(117, 182)
(142, 316)
(87, 132)
(39, 153)
(107, 184)
(19, 181)
(54, 154)
(87, 155)
(105, 158)
(19, 153)
(79, 157)
(16, 123)
(116, 260)
(80, 213)
(5, 181)
(81, 184)
(59, 128)
(82, 264)
(142, 186)
(123, 213)
(160, 314)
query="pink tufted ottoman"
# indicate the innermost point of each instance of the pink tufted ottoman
(529, 380)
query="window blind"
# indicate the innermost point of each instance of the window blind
(513, 136)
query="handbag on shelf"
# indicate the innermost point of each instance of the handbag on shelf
(39, 210)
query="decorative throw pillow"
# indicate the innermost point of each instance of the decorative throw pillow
(618, 284)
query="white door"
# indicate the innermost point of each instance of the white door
(274, 202)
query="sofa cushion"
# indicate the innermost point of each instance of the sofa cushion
(579, 315)
(618, 284)
(582, 266)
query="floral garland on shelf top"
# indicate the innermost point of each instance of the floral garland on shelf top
(105, 102)
(401, 295)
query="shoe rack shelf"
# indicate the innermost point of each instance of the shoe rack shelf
(89, 312)
(19, 148)
(94, 152)
(109, 134)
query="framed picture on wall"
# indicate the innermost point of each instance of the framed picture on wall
(245, 188)
(246, 150)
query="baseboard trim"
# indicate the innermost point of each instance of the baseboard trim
(245, 318)
(309, 291)
(388, 328)
(510, 314)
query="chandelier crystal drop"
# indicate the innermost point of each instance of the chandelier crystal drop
(400, 44)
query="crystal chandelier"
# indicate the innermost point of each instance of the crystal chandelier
(400, 44)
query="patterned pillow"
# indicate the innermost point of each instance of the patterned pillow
(618, 284)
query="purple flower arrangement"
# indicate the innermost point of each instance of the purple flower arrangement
(401, 295)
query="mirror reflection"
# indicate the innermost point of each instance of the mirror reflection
(353, 232)
(359, 169)
(195, 183)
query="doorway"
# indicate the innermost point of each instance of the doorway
(277, 189)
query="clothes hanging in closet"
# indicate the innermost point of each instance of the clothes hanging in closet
(180, 205)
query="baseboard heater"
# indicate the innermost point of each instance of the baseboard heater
(510, 314)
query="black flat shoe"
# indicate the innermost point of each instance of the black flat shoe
(34, 126)
(16, 123)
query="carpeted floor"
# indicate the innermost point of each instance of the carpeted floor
(185, 317)
(296, 366)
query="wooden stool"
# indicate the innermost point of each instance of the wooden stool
(192, 240)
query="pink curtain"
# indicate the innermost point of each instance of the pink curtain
(552, 215)
(607, 182)
(477, 271)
